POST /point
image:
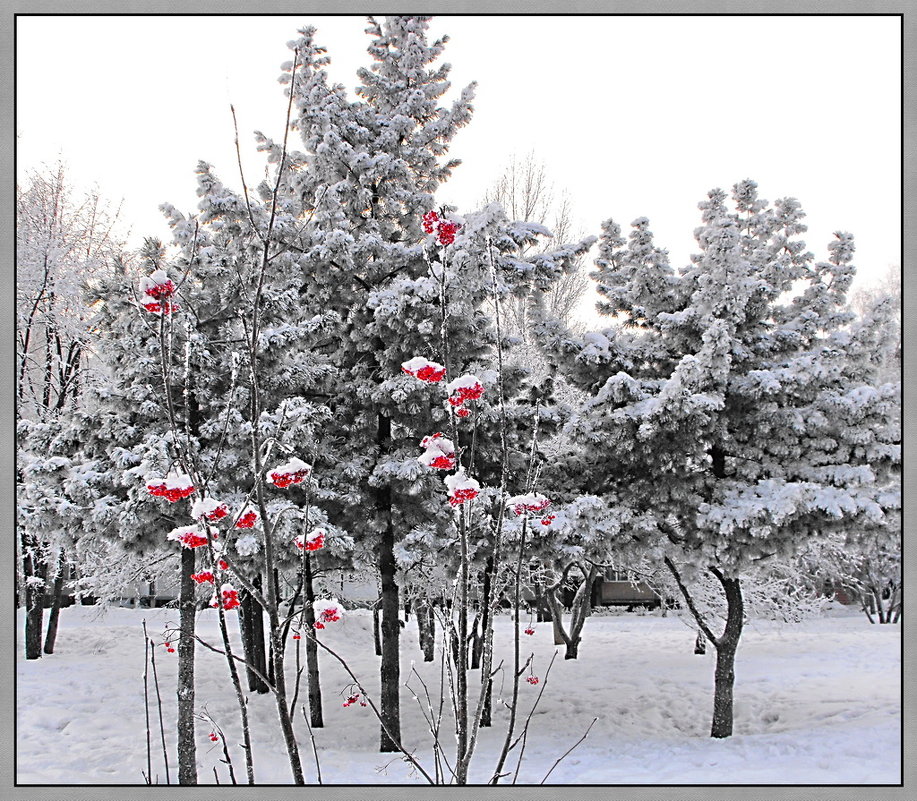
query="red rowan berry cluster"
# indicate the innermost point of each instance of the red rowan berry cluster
(354, 698)
(533, 502)
(327, 611)
(424, 370)
(247, 519)
(461, 488)
(172, 488)
(465, 388)
(210, 509)
(156, 291)
(228, 598)
(292, 472)
(188, 536)
(312, 541)
(439, 452)
(445, 229)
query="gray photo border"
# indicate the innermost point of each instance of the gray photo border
(400, 793)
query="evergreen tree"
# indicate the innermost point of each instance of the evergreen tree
(298, 302)
(735, 401)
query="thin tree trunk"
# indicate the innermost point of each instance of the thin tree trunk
(461, 670)
(880, 607)
(556, 628)
(487, 622)
(57, 593)
(487, 710)
(724, 681)
(187, 749)
(251, 624)
(312, 674)
(241, 699)
(894, 605)
(542, 612)
(477, 640)
(35, 571)
(426, 630)
(514, 702)
(377, 635)
(390, 670)
(724, 675)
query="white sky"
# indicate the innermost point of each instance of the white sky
(634, 116)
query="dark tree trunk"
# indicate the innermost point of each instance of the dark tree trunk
(390, 670)
(580, 608)
(251, 624)
(312, 675)
(35, 572)
(724, 681)
(477, 640)
(245, 630)
(426, 630)
(259, 651)
(187, 752)
(556, 624)
(486, 623)
(542, 611)
(377, 636)
(487, 709)
(57, 593)
(454, 647)
(880, 606)
(724, 676)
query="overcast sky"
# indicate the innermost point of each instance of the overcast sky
(633, 116)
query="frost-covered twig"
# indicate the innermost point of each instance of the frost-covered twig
(569, 751)
(248, 204)
(318, 766)
(162, 727)
(434, 722)
(517, 601)
(528, 719)
(217, 734)
(690, 601)
(146, 703)
(397, 741)
(235, 658)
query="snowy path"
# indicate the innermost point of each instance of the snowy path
(816, 703)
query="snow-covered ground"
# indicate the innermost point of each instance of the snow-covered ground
(816, 703)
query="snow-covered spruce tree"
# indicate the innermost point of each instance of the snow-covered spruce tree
(373, 166)
(735, 401)
(453, 531)
(63, 240)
